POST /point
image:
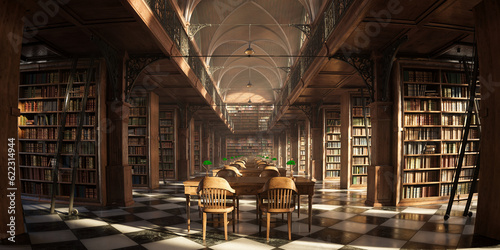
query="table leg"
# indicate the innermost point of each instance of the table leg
(310, 211)
(188, 211)
(298, 206)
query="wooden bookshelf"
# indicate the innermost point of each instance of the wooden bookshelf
(434, 112)
(332, 145)
(167, 151)
(249, 146)
(142, 140)
(359, 142)
(41, 102)
(198, 167)
(303, 145)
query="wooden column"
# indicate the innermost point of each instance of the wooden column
(11, 209)
(276, 148)
(345, 140)
(154, 160)
(183, 146)
(118, 173)
(487, 26)
(317, 153)
(217, 150)
(205, 143)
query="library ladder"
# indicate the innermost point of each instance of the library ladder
(471, 105)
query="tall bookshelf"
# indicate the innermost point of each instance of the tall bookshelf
(333, 144)
(197, 148)
(138, 141)
(359, 144)
(303, 156)
(41, 101)
(434, 113)
(167, 151)
(249, 146)
(143, 140)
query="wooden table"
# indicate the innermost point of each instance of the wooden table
(252, 172)
(250, 186)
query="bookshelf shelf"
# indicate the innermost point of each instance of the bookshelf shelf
(333, 144)
(359, 145)
(433, 122)
(41, 100)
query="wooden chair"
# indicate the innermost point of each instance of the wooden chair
(213, 193)
(233, 168)
(269, 173)
(239, 165)
(279, 192)
(226, 173)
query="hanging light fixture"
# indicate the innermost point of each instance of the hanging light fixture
(249, 84)
(249, 51)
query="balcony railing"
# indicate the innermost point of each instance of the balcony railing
(331, 17)
(167, 16)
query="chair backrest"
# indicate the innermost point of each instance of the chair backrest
(226, 173)
(271, 167)
(212, 192)
(269, 173)
(280, 194)
(233, 168)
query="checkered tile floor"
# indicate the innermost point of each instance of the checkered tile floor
(157, 220)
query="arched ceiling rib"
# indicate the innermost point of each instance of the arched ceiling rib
(263, 24)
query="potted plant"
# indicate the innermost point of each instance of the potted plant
(207, 163)
(291, 163)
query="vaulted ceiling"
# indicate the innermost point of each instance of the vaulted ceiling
(226, 28)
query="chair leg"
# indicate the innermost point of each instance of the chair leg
(259, 218)
(204, 225)
(233, 219)
(268, 224)
(225, 226)
(289, 215)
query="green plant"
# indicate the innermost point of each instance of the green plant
(207, 163)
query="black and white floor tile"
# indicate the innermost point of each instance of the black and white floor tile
(157, 220)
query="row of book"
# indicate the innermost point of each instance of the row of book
(40, 77)
(330, 130)
(451, 161)
(359, 151)
(360, 160)
(359, 180)
(333, 122)
(166, 123)
(419, 177)
(166, 151)
(421, 90)
(413, 192)
(462, 188)
(421, 162)
(454, 120)
(420, 148)
(167, 130)
(73, 119)
(39, 174)
(360, 122)
(333, 144)
(333, 159)
(81, 191)
(137, 131)
(137, 121)
(86, 148)
(359, 170)
(78, 91)
(167, 174)
(358, 111)
(39, 120)
(38, 106)
(38, 147)
(87, 134)
(38, 133)
(133, 150)
(38, 92)
(410, 75)
(361, 132)
(358, 101)
(36, 188)
(139, 180)
(454, 105)
(420, 105)
(453, 77)
(421, 119)
(82, 177)
(139, 170)
(333, 137)
(76, 105)
(138, 102)
(136, 141)
(137, 160)
(35, 160)
(457, 133)
(449, 175)
(167, 158)
(332, 166)
(331, 174)
(359, 141)
(421, 133)
(138, 111)
(333, 152)
(455, 92)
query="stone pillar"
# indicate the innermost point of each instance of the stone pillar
(11, 31)
(487, 25)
